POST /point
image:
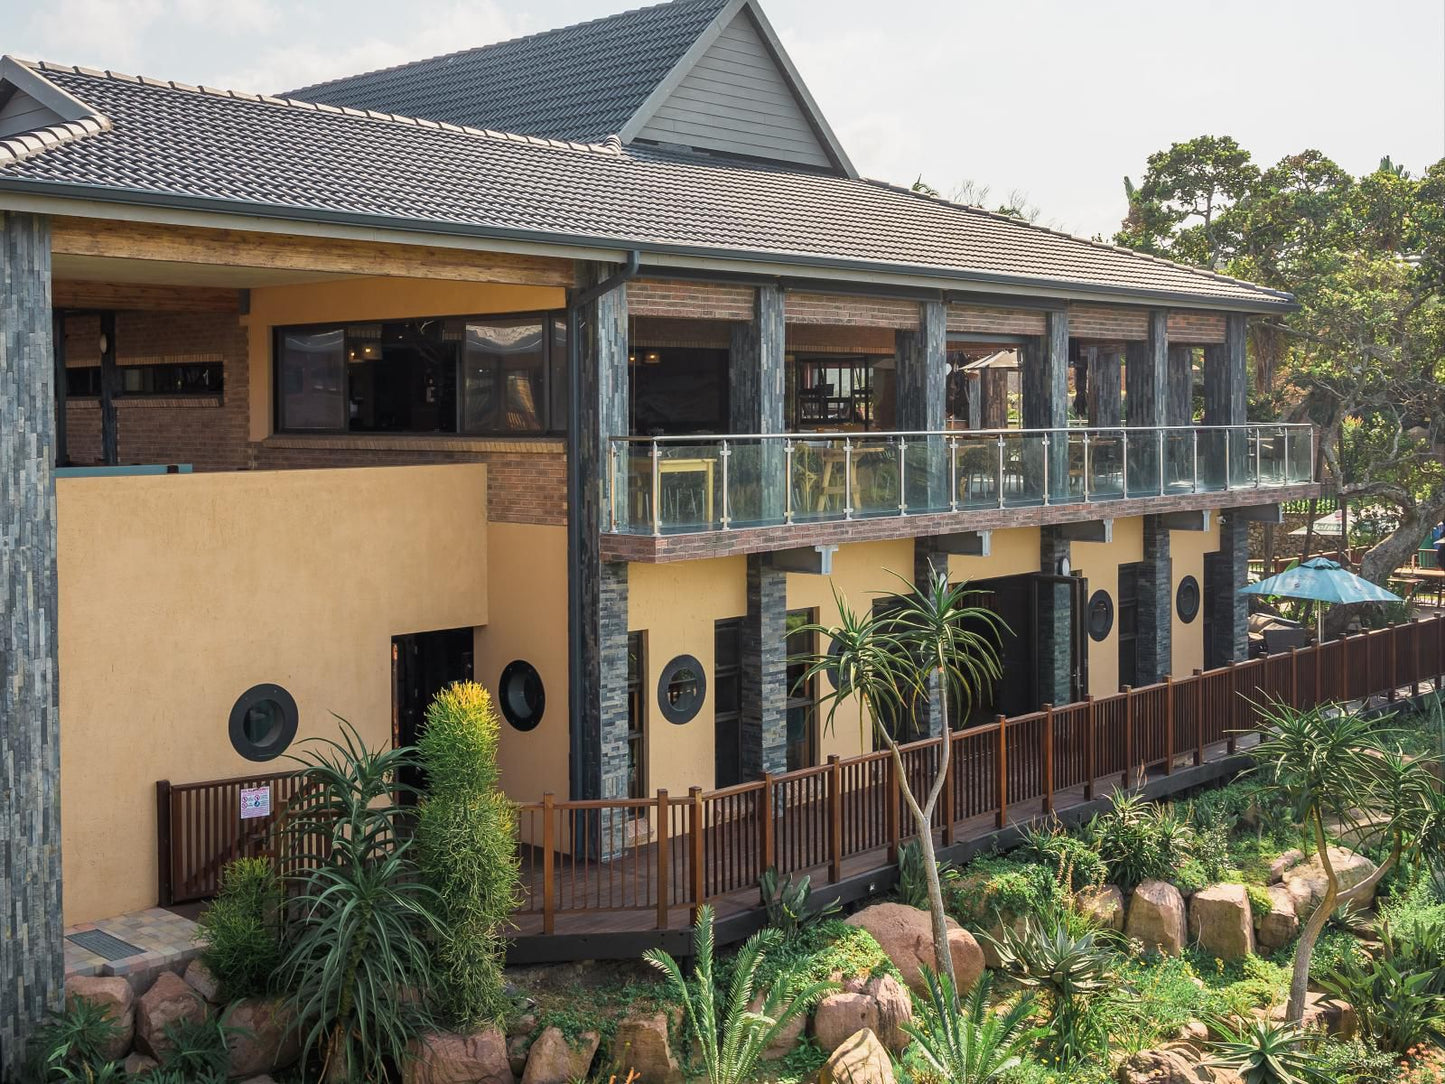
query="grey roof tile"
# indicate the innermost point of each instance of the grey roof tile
(580, 82)
(247, 154)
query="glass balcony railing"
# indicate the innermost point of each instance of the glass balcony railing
(681, 485)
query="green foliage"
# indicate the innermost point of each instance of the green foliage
(788, 903)
(1153, 999)
(1355, 1062)
(361, 917)
(971, 1043)
(68, 1044)
(466, 852)
(1399, 996)
(730, 1037)
(242, 928)
(1191, 876)
(1072, 859)
(819, 951)
(1139, 840)
(912, 887)
(1260, 903)
(1334, 948)
(198, 1050)
(1265, 1053)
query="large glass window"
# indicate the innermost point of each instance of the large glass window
(833, 393)
(468, 375)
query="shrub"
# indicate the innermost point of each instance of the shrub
(969, 1043)
(67, 1045)
(818, 951)
(1264, 1053)
(1260, 903)
(466, 851)
(242, 928)
(1069, 857)
(198, 1052)
(1139, 840)
(788, 902)
(1397, 1010)
(990, 887)
(1190, 877)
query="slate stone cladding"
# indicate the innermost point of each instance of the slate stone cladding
(1054, 658)
(1156, 604)
(612, 702)
(31, 949)
(765, 671)
(1228, 610)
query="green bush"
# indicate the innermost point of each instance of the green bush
(68, 1043)
(1260, 903)
(1139, 840)
(242, 928)
(1190, 877)
(466, 851)
(990, 887)
(198, 1052)
(1153, 1000)
(789, 902)
(818, 951)
(1067, 856)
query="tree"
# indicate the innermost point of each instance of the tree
(931, 644)
(1184, 197)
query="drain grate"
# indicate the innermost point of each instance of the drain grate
(103, 944)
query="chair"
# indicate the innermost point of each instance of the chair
(1280, 640)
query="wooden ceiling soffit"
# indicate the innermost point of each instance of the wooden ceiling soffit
(241, 248)
(67, 294)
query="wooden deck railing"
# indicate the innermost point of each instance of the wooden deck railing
(668, 853)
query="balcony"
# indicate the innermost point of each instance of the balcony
(665, 487)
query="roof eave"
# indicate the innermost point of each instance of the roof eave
(59, 198)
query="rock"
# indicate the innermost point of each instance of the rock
(1324, 1013)
(840, 1015)
(1104, 905)
(138, 1065)
(199, 978)
(117, 998)
(1284, 863)
(1306, 883)
(1221, 921)
(895, 1008)
(1195, 1033)
(642, 1044)
(170, 1000)
(266, 1036)
(1176, 1063)
(518, 1046)
(1278, 928)
(788, 1036)
(1156, 918)
(441, 1058)
(553, 1060)
(264, 1078)
(859, 1059)
(906, 937)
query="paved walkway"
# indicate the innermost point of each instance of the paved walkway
(140, 942)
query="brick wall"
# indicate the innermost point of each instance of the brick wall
(1107, 322)
(1196, 327)
(838, 310)
(991, 321)
(663, 331)
(689, 300)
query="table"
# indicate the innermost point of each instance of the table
(642, 490)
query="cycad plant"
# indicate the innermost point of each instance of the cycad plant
(970, 1043)
(730, 1037)
(1261, 1052)
(360, 918)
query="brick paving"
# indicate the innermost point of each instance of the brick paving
(164, 938)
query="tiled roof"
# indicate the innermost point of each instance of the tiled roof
(581, 82)
(202, 148)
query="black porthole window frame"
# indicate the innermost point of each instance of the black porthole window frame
(252, 698)
(1187, 599)
(841, 684)
(516, 705)
(1101, 615)
(685, 711)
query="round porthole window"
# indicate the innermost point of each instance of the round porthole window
(522, 695)
(1101, 615)
(263, 722)
(835, 651)
(680, 689)
(1186, 599)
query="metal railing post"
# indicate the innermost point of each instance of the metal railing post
(1086, 466)
(1045, 444)
(953, 474)
(847, 478)
(1000, 470)
(1258, 454)
(656, 489)
(1228, 454)
(1161, 463)
(1124, 460)
(1284, 436)
(902, 476)
(1194, 454)
(725, 454)
(612, 485)
(788, 480)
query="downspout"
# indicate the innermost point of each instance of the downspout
(577, 774)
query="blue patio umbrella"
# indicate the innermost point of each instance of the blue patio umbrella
(1321, 580)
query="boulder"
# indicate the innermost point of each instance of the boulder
(1104, 905)
(1284, 863)
(1156, 918)
(840, 1015)
(439, 1058)
(115, 996)
(170, 1000)
(199, 978)
(859, 1059)
(1306, 883)
(1325, 1013)
(1278, 928)
(642, 1044)
(895, 1008)
(1176, 1063)
(788, 1036)
(139, 1065)
(1221, 921)
(518, 1047)
(906, 937)
(554, 1060)
(266, 1036)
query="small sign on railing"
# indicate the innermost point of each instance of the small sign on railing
(255, 802)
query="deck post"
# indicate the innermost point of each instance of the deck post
(835, 818)
(1294, 677)
(163, 843)
(1439, 648)
(549, 844)
(895, 796)
(1048, 758)
(1232, 740)
(1319, 650)
(766, 825)
(1369, 668)
(1168, 724)
(1128, 692)
(1198, 717)
(695, 845)
(949, 806)
(1001, 769)
(1090, 753)
(664, 858)
(1394, 664)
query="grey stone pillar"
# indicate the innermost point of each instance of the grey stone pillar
(1154, 650)
(1055, 649)
(1106, 401)
(765, 670)
(1179, 411)
(611, 697)
(756, 400)
(993, 398)
(928, 711)
(1146, 377)
(922, 392)
(32, 955)
(1226, 387)
(1226, 572)
(1045, 375)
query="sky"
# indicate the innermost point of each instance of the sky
(1054, 100)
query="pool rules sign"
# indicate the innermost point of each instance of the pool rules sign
(255, 802)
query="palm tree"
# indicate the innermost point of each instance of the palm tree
(974, 1044)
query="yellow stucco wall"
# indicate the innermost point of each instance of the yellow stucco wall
(527, 593)
(179, 593)
(369, 299)
(1099, 562)
(676, 605)
(1186, 551)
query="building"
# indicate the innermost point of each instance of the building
(629, 371)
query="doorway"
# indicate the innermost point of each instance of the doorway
(422, 664)
(1021, 603)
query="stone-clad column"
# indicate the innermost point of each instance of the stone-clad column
(1055, 649)
(1154, 651)
(928, 562)
(1226, 572)
(1044, 368)
(765, 670)
(922, 393)
(1226, 385)
(31, 947)
(756, 399)
(1146, 379)
(1105, 397)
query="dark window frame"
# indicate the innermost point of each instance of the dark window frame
(289, 719)
(636, 716)
(150, 369)
(728, 676)
(553, 339)
(801, 693)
